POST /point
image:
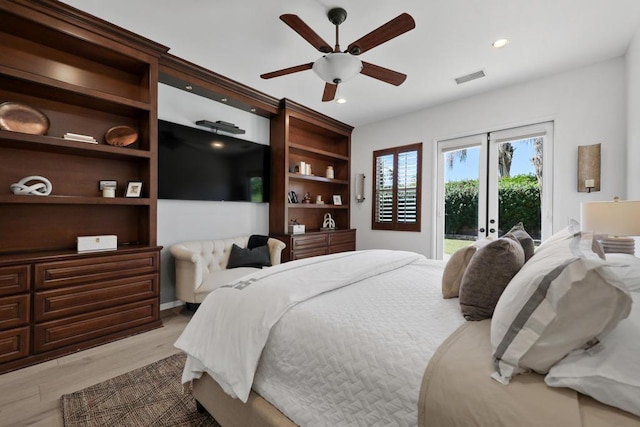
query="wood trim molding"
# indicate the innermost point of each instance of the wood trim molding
(320, 119)
(179, 73)
(62, 13)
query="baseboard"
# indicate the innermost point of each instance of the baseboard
(169, 305)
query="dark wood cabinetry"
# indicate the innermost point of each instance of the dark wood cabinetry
(299, 134)
(86, 76)
(55, 303)
(316, 243)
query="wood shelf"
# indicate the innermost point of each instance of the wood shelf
(317, 178)
(72, 200)
(306, 150)
(315, 206)
(60, 145)
(298, 135)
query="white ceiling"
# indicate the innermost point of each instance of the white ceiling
(242, 39)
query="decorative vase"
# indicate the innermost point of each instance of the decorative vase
(329, 173)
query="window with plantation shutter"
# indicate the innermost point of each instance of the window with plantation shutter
(396, 188)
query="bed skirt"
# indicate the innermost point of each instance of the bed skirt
(230, 412)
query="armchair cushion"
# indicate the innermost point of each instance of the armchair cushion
(202, 265)
(246, 257)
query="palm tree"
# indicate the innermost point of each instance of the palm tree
(505, 157)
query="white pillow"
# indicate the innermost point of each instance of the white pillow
(627, 267)
(562, 298)
(611, 375)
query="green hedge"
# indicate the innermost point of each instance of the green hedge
(519, 201)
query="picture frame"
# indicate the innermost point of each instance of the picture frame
(337, 200)
(134, 189)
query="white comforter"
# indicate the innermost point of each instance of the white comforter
(350, 356)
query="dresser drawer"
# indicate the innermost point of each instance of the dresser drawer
(14, 279)
(99, 323)
(343, 237)
(310, 252)
(14, 344)
(56, 303)
(14, 311)
(90, 270)
(310, 241)
(345, 247)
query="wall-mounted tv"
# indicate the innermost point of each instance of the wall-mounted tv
(195, 164)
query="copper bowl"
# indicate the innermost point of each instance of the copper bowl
(121, 136)
(22, 118)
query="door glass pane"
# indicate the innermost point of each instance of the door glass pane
(461, 176)
(520, 185)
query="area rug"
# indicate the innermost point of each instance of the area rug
(148, 396)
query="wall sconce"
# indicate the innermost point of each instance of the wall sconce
(588, 168)
(359, 187)
(614, 221)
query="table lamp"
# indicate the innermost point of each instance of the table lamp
(613, 221)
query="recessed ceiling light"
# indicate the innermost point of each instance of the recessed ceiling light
(188, 87)
(223, 99)
(253, 110)
(340, 100)
(500, 43)
(217, 144)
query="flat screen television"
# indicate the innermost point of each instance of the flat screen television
(195, 164)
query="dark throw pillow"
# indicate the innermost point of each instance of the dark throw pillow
(245, 257)
(489, 272)
(257, 240)
(519, 233)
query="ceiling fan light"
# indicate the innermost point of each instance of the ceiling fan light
(337, 67)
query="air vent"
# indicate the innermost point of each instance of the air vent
(470, 77)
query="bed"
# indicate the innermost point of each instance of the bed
(371, 343)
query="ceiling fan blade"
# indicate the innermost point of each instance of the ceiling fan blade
(398, 25)
(286, 71)
(329, 92)
(384, 74)
(306, 32)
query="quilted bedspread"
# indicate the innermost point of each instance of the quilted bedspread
(355, 356)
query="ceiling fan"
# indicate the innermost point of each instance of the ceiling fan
(336, 67)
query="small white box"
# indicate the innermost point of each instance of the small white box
(296, 229)
(97, 243)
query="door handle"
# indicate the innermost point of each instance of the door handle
(492, 230)
(481, 230)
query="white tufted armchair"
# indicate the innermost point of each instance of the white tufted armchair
(201, 265)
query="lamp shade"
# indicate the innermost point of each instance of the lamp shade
(616, 218)
(337, 67)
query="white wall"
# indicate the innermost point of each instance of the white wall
(587, 106)
(633, 119)
(633, 123)
(180, 220)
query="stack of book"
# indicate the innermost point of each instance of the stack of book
(80, 137)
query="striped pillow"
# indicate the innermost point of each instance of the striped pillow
(562, 299)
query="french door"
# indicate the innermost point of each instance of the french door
(481, 178)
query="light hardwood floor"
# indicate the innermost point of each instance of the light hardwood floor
(31, 396)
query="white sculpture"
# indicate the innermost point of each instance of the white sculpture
(42, 188)
(328, 222)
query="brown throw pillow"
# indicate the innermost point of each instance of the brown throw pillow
(489, 272)
(519, 233)
(456, 266)
(454, 270)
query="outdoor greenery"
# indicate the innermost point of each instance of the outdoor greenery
(452, 245)
(519, 201)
